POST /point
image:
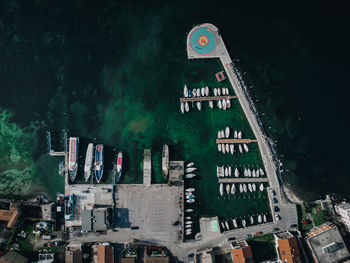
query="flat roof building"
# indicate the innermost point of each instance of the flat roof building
(105, 253)
(205, 256)
(74, 254)
(241, 252)
(155, 254)
(94, 220)
(326, 244)
(287, 247)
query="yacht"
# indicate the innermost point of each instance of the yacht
(236, 172)
(199, 105)
(235, 134)
(251, 220)
(245, 188)
(206, 91)
(219, 147)
(228, 188)
(215, 92)
(261, 187)
(232, 148)
(240, 148)
(182, 108)
(185, 91)
(227, 132)
(190, 169)
(227, 148)
(211, 104)
(219, 104)
(246, 147)
(223, 148)
(221, 189)
(187, 107)
(229, 171)
(228, 102)
(244, 223)
(239, 135)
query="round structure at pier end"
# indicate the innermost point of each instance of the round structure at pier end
(203, 40)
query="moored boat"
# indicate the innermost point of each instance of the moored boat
(219, 91)
(250, 188)
(211, 104)
(185, 91)
(228, 188)
(224, 105)
(189, 176)
(88, 161)
(232, 148)
(253, 187)
(207, 91)
(234, 222)
(239, 135)
(223, 148)
(227, 91)
(227, 148)
(73, 157)
(244, 223)
(227, 226)
(190, 169)
(236, 172)
(261, 187)
(215, 92)
(194, 93)
(188, 222)
(219, 134)
(190, 164)
(189, 210)
(245, 188)
(223, 91)
(182, 107)
(240, 148)
(187, 107)
(219, 104)
(251, 220)
(119, 166)
(99, 162)
(226, 171)
(233, 190)
(261, 171)
(235, 134)
(219, 147)
(198, 92)
(190, 201)
(229, 171)
(190, 196)
(190, 190)
(227, 132)
(253, 173)
(221, 189)
(259, 219)
(203, 91)
(246, 147)
(228, 102)
(199, 105)
(241, 188)
(264, 218)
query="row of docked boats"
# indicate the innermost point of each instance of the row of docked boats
(253, 172)
(260, 219)
(190, 170)
(230, 148)
(200, 92)
(189, 199)
(93, 163)
(222, 134)
(242, 188)
(229, 171)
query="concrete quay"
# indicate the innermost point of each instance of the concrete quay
(244, 180)
(207, 98)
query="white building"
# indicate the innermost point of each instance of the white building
(343, 209)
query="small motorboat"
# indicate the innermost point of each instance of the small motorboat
(190, 169)
(246, 147)
(207, 91)
(219, 134)
(245, 188)
(261, 171)
(227, 148)
(185, 91)
(219, 91)
(188, 222)
(189, 210)
(226, 171)
(219, 147)
(215, 92)
(228, 188)
(236, 172)
(190, 164)
(234, 222)
(199, 105)
(250, 188)
(232, 148)
(187, 107)
(189, 176)
(221, 189)
(182, 106)
(227, 132)
(261, 187)
(223, 148)
(224, 106)
(253, 187)
(190, 196)
(239, 135)
(233, 189)
(264, 218)
(251, 220)
(190, 190)
(227, 226)
(240, 148)
(194, 93)
(190, 201)
(198, 93)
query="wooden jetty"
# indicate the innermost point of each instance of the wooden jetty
(235, 140)
(192, 99)
(244, 180)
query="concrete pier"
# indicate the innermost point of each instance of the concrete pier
(244, 180)
(235, 140)
(207, 98)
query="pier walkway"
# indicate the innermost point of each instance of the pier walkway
(235, 140)
(244, 180)
(207, 98)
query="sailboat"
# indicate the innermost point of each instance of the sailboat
(221, 189)
(246, 147)
(211, 104)
(227, 132)
(232, 148)
(182, 107)
(185, 91)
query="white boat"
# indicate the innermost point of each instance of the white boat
(190, 196)
(223, 91)
(222, 225)
(190, 201)
(229, 171)
(190, 169)
(206, 91)
(219, 147)
(232, 148)
(254, 187)
(253, 173)
(188, 233)
(261, 187)
(215, 92)
(245, 172)
(264, 218)
(194, 93)
(198, 93)
(228, 102)
(88, 161)
(190, 164)
(233, 189)
(261, 171)
(228, 188)
(236, 172)
(187, 107)
(189, 176)
(219, 104)
(219, 91)
(203, 91)
(227, 148)
(219, 134)
(245, 188)
(224, 106)
(240, 148)
(223, 148)
(217, 172)
(244, 223)
(246, 147)
(185, 91)
(221, 189)
(182, 106)
(222, 134)
(227, 132)
(259, 219)
(199, 105)
(188, 218)
(227, 226)
(257, 172)
(189, 210)
(241, 188)
(234, 222)
(187, 226)
(249, 173)
(226, 171)
(251, 220)
(235, 134)
(239, 135)
(227, 91)
(211, 104)
(190, 190)
(250, 188)
(188, 222)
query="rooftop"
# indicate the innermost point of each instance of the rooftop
(241, 252)
(105, 253)
(344, 205)
(95, 219)
(288, 247)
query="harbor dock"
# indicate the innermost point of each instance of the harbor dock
(235, 140)
(244, 180)
(193, 99)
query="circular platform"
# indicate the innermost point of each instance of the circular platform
(203, 40)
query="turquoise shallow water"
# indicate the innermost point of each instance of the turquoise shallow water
(110, 73)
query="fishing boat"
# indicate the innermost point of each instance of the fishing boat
(119, 166)
(227, 226)
(165, 160)
(190, 196)
(188, 222)
(199, 105)
(235, 134)
(253, 187)
(232, 148)
(190, 190)
(223, 91)
(190, 169)
(190, 164)
(229, 171)
(227, 132)
(246, 147)
(240, 148)
(73, 157)
(198, 93)
(189, 210)
(219, 104)
(223, 148)
(236, 172)
(227, 148)
(99, 162)
(185, 91)
(190, 201)
(211, 104)
(233, 189)
(245, 188)
(264, 218)
(88, 161)
(189, 176)
(244, 223)
(251, 220)
(239, 135)
(215, 92)
(228, 102)
(182, 107)
(219, 147)
(234, 222)
(226, 171)
(250, 188)
(206, 91)
(219, 91)
(261, 171)
(253, 173)
(241, 188)
(261, 187)
(259, 219)
(194, 93)
(228, 188)
(221, 189)
(224, 106)
(187, 107)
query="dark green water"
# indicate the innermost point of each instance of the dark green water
(111, 72)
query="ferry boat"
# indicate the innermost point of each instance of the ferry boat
(69, 207)
(165, 160)
(73, 157)
(119, 166)
(88, 161)
(185, 91)
(99, 162)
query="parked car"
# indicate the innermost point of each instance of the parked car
(277, 217)
(274, 200)
(258, 233)
(273, 192)
(275, 229)
(276, 208)
(231, 238)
